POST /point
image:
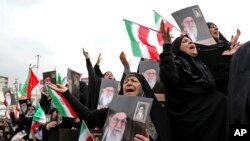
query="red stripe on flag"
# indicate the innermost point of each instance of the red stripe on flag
(89, 138)
(143, 36)
(33, 81)
(72, 112)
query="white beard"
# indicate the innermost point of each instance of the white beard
(151, 83)
(8, 100)
(105, 99)
(113, 137)
(139, 116)
(192, 33)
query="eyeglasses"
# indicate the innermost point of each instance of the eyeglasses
(31, 109)
(117, 120)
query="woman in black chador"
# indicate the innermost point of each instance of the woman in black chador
(197, 109)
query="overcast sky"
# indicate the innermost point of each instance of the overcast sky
(58, 29)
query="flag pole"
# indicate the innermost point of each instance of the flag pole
(167, 21)
(141, 25)
(37, 68)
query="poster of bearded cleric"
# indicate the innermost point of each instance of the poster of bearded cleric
(108, 89)
(150, 70)
(9, 97)
(123, 122)
(192, 21)
(73, 79)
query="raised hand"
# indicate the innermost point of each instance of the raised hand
(234, 39)
(233, 48)
(86, 54)
(165, 34)
(124, 60)
(139, 137)
(99, 59)
(59, 88)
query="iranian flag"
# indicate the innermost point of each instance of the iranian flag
(158, 18)
(61, 104)
(29, 85)
(144, 41)
(85, 134)
(38, 118)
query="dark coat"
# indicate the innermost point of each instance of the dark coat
(96, 118)
(239, 90)
(198, 111)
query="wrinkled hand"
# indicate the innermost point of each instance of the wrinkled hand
(52, 124)
(232, 49)
(124, 60)
(86, 54)
(165, 34)
(234, 39)
(58, 88)
(99, 59)
(139, 137)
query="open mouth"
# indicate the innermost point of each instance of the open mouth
(192, 47)
(129, 90)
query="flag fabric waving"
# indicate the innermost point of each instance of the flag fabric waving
(158, 18)
(144, 41)
(85, 134)
(61, 104)
(38, 118)
(29, 85)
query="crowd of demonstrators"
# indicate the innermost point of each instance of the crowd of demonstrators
(134, 85)
(193, 77)
(197, 109)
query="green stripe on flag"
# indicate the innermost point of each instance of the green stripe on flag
(134, 43)
(57, 103)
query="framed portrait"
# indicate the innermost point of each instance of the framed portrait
(49, 76)
(197, 12)
(191, 20)
(108, 89)
(141, 111)
(9, 97)
(73, 79)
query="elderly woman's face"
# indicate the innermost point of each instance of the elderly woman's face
(188, 47)
(131, 86)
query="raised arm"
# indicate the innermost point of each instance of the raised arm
(97, 66)
(169, 72)
(95, 118)
(94, 83)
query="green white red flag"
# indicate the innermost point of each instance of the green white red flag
(85, 134)
(158, 18)
(30, 83)
(61, 104)
(38, 118)
(144, 40)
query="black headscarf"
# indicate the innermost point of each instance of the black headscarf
(192, 65)
(161, 123)
(221, 37)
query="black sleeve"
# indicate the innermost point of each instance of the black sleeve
(98, 70)
(93, 86)
(169, 71)
(95, 118)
